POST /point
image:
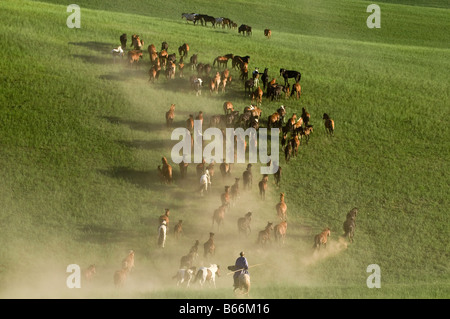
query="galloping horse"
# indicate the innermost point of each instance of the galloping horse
(263, 186)
(207, 274)
(322, 238)
(219, 215)
(281, 207)
(209, 247)
(280, 231)
(264, 235)
(183, 50)
(287, 74)
(267, 33)
(170, 114)
(244, 224)
(243, 284)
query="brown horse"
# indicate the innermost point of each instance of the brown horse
(219, 215)
(322, 238)
(221, 61)
(225, 197)
(257, 96)
(225, 169)
(277, 176)
(170, 114)
(228, 106)
(235, 190)
(178, 229)
(281, 207)
(280, 231)
(273, 120)
(263, 186)
(329, 124)
(183, 50)
(267, 33)
(166, 170)
(296, 90)
(209, 248)
(264, 235)
(243, 224)
(165, 217)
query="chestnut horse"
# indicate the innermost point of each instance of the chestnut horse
(170, 114)
(280, 231)
(281, 207)
(322, 238)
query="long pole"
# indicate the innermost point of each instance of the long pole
(244, 268)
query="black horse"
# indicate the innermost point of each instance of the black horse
(287, 74)
(206, 18)
(123, 41)
(245, 29)
(265, 78)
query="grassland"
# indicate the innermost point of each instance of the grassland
(81, 138)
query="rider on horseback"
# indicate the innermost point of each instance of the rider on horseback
(241, 267)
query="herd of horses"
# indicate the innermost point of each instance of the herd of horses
(217, 75)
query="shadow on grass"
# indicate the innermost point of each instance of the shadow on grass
(96, 46)
(94, 59)
(141, 179)
(136, 125)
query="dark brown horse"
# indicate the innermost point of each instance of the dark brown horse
(263, 186)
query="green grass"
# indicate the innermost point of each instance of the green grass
(81, 138)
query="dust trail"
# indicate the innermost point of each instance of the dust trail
(332, 249)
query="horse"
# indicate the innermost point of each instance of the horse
(207, 274)
(221, 61)
(193, 61)
(243, 224)
(350, 224)
(273, 120)
(245, 29)
(206, 18)
(136, 42)
(277, 176)
(263, 186)
(322, 238)
(287, 74)
(281, 207)
(209, 247)
(243, 284)
(265, 78)
(247, 177)
(193, 17)
(178, 229)
(123, 41)
(296, 90)
(235, 190)
(225, 169)
(267, 33)
(228, 106)
(225, 197)
(329, 124)
(187, 260)
(170, 114)
(280, 231)
(264, 235)
(219, 215)
(184, 275)
(128, 261)
(166, 171)
(257, 95)
(117, 52)
(183, 50)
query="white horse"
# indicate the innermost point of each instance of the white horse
(117, 52)
(185, 276)
(189, 17)
(207, 274)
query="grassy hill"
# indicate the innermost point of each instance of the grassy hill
(81, 138)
